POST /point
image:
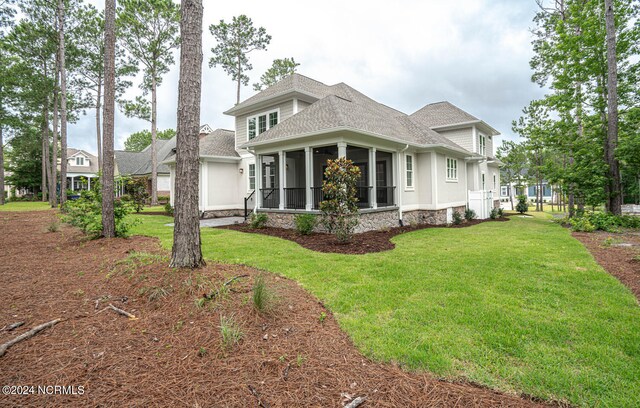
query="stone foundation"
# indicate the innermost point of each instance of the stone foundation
(222, 213)
(369, 220)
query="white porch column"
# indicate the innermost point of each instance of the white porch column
(72, 186)
(282, 177)
(342, 149)
(308, 166)
(373, 178)
(434, 179)
(400, 175)
(204, 191)
(88, 183)
(259, 186)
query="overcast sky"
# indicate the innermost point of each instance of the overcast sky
(405, 54)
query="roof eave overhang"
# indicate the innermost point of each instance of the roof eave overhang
(400, 142)
(486, 127)
(277, 98)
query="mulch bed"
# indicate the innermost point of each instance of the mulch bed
(362, 243)
(172, 355)
(623, 262)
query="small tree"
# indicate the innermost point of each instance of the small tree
(339, 207)
(137, 190)
(522, 205)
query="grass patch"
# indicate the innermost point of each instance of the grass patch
(518, 306)
(25, 206)
(263, 295)
(230, 332)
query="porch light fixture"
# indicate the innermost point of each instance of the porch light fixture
(241, 170)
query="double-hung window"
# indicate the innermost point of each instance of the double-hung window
(79, 161)
(261, 123)
(409, 170)
(482, 143)
(452, 169)
(252, 176)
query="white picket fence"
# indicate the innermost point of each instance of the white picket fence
(631, 209)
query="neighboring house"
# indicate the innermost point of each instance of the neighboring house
(530, 191)
(138, 165)
(82, 169)
(416, 168)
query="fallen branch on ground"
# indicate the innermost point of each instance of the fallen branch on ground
(27, 335)
(215, 294)
(12, 326)
(255, 394)
(355, 403)
(122, 312)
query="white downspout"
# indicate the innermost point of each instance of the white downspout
(400, 182)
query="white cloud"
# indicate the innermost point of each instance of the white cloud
(404, 54)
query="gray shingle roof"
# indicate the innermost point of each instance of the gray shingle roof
(441, 114)
(345, 107)
(292, 83)
(220, 143)
(139, 163)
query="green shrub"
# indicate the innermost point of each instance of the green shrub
(168, 208)
(522, 206)
(493, 214)
(305, 223)
(258, 220)
(230, 331)
(136, 188)
(457, 218)
(164, 199)
(581, 224)
(500, 212)
(86, 213)
(469, 214)
(340, 205)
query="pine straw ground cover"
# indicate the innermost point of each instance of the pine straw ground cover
(173, 355)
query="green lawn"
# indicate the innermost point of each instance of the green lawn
(25, 206)
(518, 306)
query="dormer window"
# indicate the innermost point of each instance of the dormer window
(261, 123)
(79, 161)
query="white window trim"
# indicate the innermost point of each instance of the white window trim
(411, 187)
(446, 165)
(482, 146)
(255, 177)
(255, 116)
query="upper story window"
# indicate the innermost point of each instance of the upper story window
(79, 161)
(482, 144)
(452, 169)
(261, 123)
(409, 170)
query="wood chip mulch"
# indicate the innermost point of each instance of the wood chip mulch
(617, 253)
(362, 243)
(172, 353)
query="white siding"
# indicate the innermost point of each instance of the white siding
(461, 137)
(450, 191)
(286, 111)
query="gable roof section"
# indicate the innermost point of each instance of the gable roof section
(442, 114)
(219, 143)
(139, 163)
(93, 161)
(347, 109)
(288, 85)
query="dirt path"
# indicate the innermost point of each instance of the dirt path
(173, 354)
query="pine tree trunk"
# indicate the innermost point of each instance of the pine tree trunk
(615, 197)
(63, 106)
(186, 252)
(45, 150)
(239, 81)
(1, 167)
(108, 220)
(54, 151)
(154, 136)
(98, 133)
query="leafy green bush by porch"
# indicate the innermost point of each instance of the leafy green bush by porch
(305, 223)
(340, 205)
(469, 214)
(258, 220)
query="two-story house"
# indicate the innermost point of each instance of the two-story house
(82, 168)
(416, 168)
